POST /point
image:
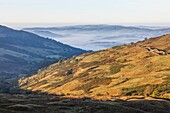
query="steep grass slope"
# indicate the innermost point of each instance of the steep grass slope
(139, 69)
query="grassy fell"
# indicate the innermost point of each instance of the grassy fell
(131, 70)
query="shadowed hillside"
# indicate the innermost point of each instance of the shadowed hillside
(22, 53)
(36, 103)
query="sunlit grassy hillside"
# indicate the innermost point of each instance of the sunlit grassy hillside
(137, 69)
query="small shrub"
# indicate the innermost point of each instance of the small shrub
(167, 79)
(93, 84)
(116, 68)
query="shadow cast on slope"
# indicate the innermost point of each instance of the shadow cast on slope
(37, 102)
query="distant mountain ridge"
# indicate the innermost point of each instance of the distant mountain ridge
(84, 36)
(47, 34)
(99, 27)
(88, 27)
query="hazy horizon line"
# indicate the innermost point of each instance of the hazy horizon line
(23, 25)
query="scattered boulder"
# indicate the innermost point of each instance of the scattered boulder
(69, 72)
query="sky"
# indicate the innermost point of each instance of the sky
(85, 11)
